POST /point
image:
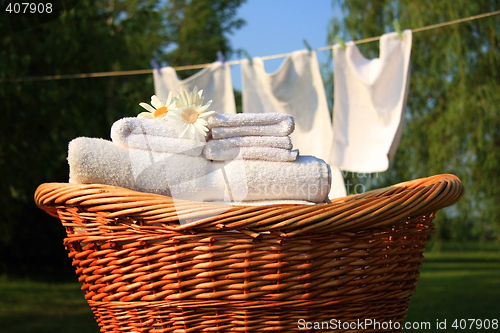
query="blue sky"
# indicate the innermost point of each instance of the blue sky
(279, 26)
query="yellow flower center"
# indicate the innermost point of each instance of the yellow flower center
(160, 112)
(189, 116)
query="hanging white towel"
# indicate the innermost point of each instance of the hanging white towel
(296, 88)
(215, 80)
(369, 103)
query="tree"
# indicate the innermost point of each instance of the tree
(39, 118)
(452, 123)
(199, 30)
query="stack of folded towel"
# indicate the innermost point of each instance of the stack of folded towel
(248, 158)
(254, 136)
(150, 135)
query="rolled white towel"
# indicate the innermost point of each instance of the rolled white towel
(153, 135)
(250, 124)
(195, 178)
(251, 153)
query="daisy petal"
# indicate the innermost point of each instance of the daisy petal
(181, 99)
(156, 102)
(145, 115)
(201, 122)
(181, 134)
(169, 99)
(147, 107)
(198, 126)
(206, 114)
(177, 122)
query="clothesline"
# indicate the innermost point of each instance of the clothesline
(232, 62)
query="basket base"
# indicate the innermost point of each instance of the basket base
(249, 317)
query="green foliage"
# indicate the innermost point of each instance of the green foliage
(39, 118)
(452, 124)
(238, 101)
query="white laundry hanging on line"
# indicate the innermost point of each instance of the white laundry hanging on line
(215, 80)
(370, 97)
(296, 88)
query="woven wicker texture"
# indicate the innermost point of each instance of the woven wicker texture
(246, 269)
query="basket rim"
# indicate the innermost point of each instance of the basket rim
(376, 208)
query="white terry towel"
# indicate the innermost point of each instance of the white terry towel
(268, 148)
(195, 178)
(250, 124)
(282, 142)
(296, 88)
(153, 135)
(215, 80)
(251, 153)
(369, 103)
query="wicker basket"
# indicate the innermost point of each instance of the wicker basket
(272, 268)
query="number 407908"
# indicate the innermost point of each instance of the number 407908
(29, 7)
(475, 324)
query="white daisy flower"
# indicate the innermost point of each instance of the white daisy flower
(189, 119)
(158, 109)
(184, 98)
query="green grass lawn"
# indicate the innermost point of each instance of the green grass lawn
(44, 307)
(461, 281)
(458, 282)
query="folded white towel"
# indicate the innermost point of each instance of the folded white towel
(283, 142)
(268, 148)
(250, 124)
(153, 135)
(195, 178)
(247, 119)
(251, 153)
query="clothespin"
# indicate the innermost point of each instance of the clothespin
(397, 27)
(155, 65)
(309, 48)
(220, 57)
(340, 41)
(247, 56)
